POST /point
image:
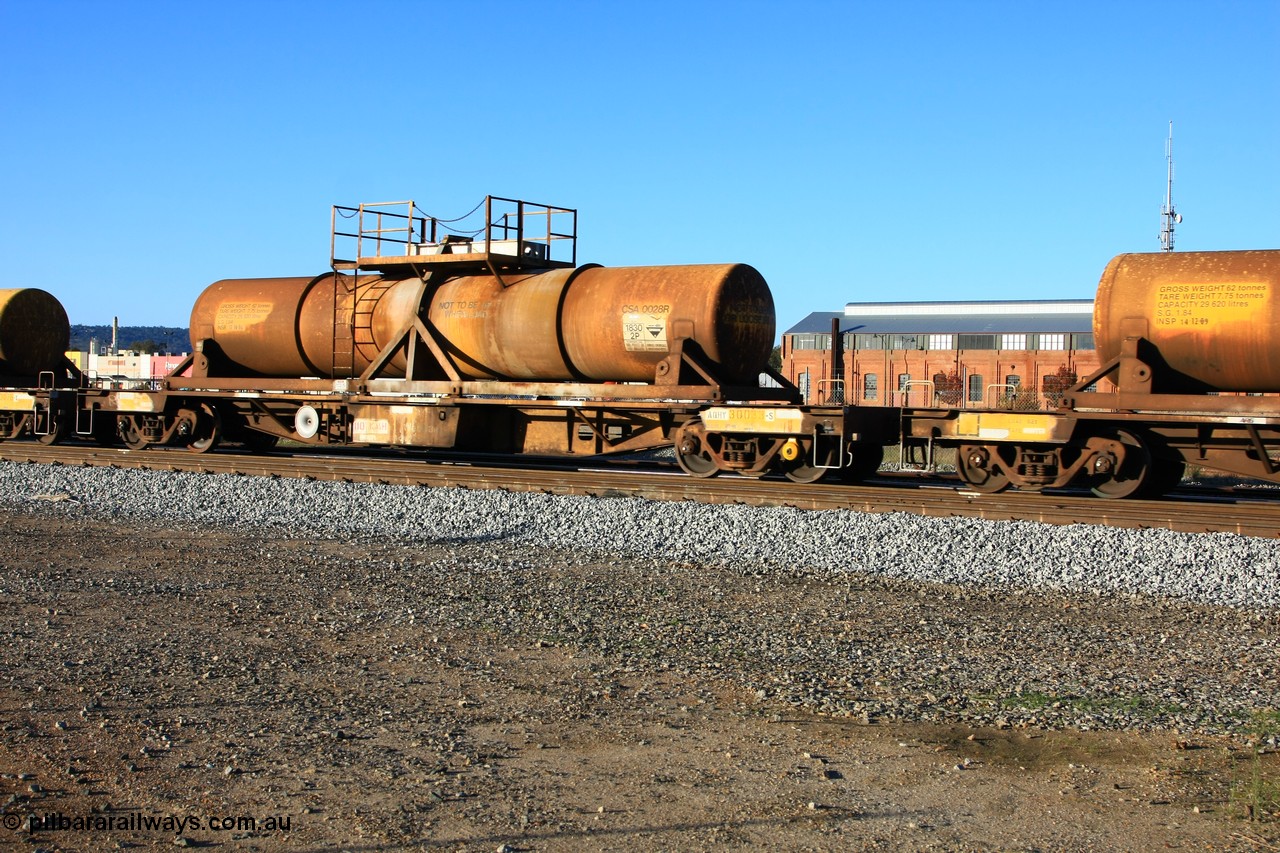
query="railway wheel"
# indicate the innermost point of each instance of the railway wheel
(1124, 474)
(131, 433)
(980, 470)
(208, 429)
(57, 432)
(805, 468)
(691, 452)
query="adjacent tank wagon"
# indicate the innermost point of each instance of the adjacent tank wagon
(1190, 376)
(34, 333)
(1213, 317)
(34, 371)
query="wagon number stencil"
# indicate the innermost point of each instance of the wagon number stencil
(644, 327)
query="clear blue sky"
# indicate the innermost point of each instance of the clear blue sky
(849, 151)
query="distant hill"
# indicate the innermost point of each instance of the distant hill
(162, 339)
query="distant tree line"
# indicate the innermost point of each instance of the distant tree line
(148, 339)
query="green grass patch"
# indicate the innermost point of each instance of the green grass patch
(1035, 700)
(1256, 794)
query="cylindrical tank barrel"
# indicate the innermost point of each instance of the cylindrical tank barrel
(587, 324)
(34, 332)
(274, 326)
(1213, 316)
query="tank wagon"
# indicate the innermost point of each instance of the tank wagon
(1190, 375)
(495, 341)
(498, 341)
(36, 381)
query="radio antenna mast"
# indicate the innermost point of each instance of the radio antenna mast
(1169, 217)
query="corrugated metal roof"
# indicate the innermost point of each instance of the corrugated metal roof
(981, 308)
(819, 322)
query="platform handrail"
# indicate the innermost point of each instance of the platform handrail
(831, 392)
(904, 392)
(531, 233)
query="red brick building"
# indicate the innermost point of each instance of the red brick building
(965, 354)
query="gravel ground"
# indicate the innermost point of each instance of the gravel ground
(494, 669)
(1206, 568)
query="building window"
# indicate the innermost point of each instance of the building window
(904, 341)
(942, 342)
(1082, 342)
(903, 379)
(869, 383)
(1013, 341)
(977, 342)
(868, 341)
(1055, 341)
(1013, 380)
(1055, 384)
(810, 342)
(975, 388)
(947, 389)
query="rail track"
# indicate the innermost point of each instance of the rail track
(1192, 511)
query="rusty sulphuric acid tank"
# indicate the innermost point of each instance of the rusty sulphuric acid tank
(591, 323)
(1214, 316)
(34, 332)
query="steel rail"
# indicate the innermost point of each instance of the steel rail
(1187, 514)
